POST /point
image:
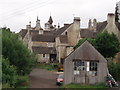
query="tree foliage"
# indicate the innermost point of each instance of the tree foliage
(9, 73)
(16, 52)
(114, 70)
(116, 13)
(107, 44)
(83, 40)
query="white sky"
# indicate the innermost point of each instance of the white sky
(16, 14)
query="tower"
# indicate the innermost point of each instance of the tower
(48, 25)
(37, 27)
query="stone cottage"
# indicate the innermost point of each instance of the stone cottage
(85, 65)
(55, 43)
(52, 43)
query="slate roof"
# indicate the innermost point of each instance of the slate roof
(118, 25)
(44, 50)
(63, 39)
(43, 38)
(48, 32)
(34, 31)
(86, 33)
(86, 52)
(101, 26)
(23, 32)
(62, 29)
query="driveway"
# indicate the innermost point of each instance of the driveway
(40, 78)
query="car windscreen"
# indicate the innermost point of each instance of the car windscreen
(60, 76)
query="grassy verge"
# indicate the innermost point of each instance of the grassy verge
(100, 85)
(50, 67)
(21, 82)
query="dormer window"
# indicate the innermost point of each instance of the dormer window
(65, 33)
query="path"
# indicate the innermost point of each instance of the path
(40, 78)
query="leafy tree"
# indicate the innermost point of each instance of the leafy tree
(17, 53)
(116, 13)
(8, 73)
(83, 40)
(114, 70)
(107, 44)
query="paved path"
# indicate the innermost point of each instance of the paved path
(40, 78)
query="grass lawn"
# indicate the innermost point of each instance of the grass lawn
(101, 85)
(50, 67)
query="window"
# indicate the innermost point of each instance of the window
(50, 44)
(93, 68)
(65, 33)
(43, 55)
(78, 67)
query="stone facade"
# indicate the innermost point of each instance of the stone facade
(85, 66)
(55, 43)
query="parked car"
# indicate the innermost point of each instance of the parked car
(110, 81)
(59, 79)
(60, 68)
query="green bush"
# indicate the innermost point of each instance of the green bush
(22, 81)
(17, 53)
(8, 73)
(6, 85)
(114, 70)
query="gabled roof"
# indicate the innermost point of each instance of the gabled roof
(118, 25)
(86, 33)
(23, 32)
(44, 50)
(86, 52)
(63, 39)
(101, 26)
(43, 38)
(62, 29)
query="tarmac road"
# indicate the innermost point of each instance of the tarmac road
(40, 78)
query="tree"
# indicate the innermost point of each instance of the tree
(16, 52)
(107, 44)
(83, 40)
(8, 73)
(116, 14)
(114, 70)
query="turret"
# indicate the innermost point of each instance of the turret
(37, 27)
(48, 25)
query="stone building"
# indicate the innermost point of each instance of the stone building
(55, 43)
(51, 44)
(85, 65)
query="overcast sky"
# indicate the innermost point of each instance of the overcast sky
(16, 14)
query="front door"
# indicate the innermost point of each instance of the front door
(52, 58)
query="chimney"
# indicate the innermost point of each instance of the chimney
(111, 18)
(28, 27)
(89, 23)
(94, 24)
(76, 19)
(58, 25)
(76, 22)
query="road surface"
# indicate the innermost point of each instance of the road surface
(40, 78)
